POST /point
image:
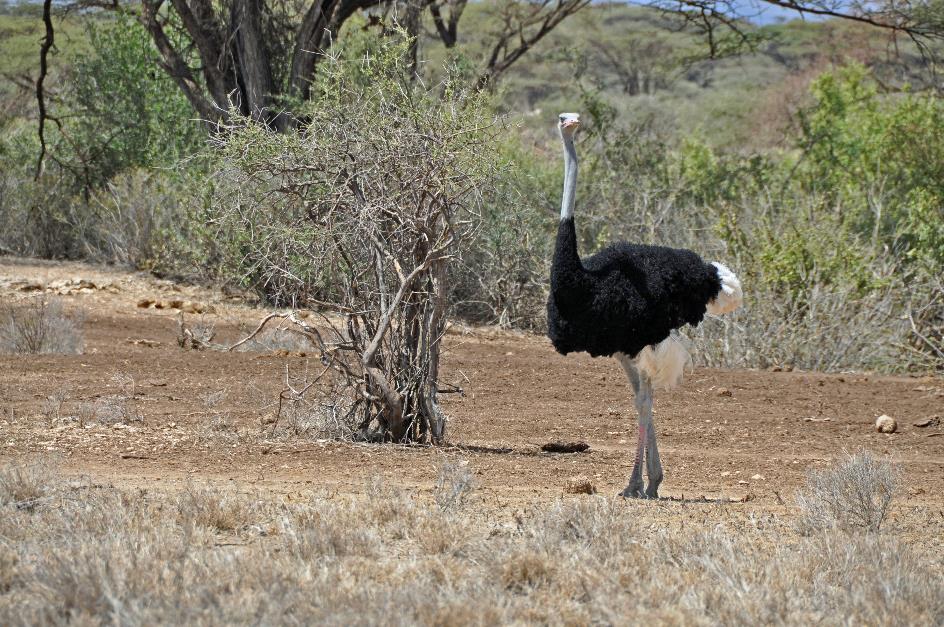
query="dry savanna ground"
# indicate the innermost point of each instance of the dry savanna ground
(144, 483)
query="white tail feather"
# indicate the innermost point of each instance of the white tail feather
(730, 296)
(664, 363)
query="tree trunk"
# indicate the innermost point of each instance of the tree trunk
(315, 35)
(433, 417)
(176, 67)
(257, 86)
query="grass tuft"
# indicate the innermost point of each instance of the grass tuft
(24, 485)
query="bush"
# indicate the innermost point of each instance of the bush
(117, 115)
(120, 88)
(362, 211)
(852, 495)
(39, 325)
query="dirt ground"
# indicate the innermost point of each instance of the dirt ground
(747, 436)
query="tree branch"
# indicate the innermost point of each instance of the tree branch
(48, 43)
(176, 67)
(448, 29)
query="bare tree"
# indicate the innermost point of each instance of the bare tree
(363, 211)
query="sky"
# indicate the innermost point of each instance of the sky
(759, 12)
(763, 13)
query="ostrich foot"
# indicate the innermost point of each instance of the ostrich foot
(633, 491)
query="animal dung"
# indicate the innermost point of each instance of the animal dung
(724, 392)
(886, 424)
(565, 447)
(579, 485)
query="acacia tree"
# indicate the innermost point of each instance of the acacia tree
(723, 23)
(261, 56)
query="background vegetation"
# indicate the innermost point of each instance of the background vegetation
(812, 165)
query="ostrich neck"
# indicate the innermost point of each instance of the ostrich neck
(570, 179)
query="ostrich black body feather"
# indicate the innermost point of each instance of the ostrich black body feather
(625, 297)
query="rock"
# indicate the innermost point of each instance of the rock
(723, 392)
(144, 303)
(23, 285)
(886, 424)
(144, 342)
(579, 485)
(758, 477)
(930, 421)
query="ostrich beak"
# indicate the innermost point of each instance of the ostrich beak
(571, 123)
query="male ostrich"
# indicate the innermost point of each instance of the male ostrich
(626, 301)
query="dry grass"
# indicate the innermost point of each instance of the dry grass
(23, 485)
(92, 556)
(39, 325)
(215, 510)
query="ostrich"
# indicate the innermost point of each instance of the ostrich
(626, 301)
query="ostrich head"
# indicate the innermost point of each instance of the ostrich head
(568, 125)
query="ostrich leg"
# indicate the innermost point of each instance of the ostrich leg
(653, 463)
(646, 445)
(634, 488)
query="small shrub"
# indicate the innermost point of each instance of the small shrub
(853, 495)
(278, 339)
(52, 406)
(198, 336)
(454, 484)
(117, 408)
(38, 326)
